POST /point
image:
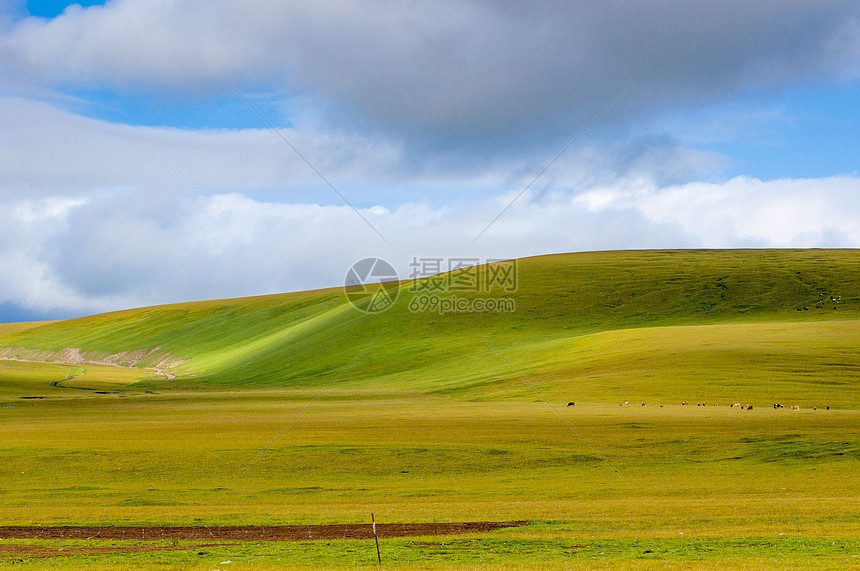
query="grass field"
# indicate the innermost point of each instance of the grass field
(297, 409)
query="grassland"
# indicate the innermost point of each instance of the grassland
(299, 409)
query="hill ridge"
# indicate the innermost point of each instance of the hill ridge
(298, 339)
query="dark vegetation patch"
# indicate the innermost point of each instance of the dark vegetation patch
(252, 532)
(794, 447)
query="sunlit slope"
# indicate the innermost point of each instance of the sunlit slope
(181, 331)
(803, 363)
(309, 338)
(8, 328)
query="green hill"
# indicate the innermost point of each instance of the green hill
(575, 319)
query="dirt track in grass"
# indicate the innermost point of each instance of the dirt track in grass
(252, 533)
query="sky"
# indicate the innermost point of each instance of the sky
(158, 151)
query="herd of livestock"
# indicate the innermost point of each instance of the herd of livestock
(776, 406)
(734, 405)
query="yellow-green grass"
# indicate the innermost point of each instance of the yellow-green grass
(703, 484)
(29, 380)
(429, 417)
(9, 328)
(170, 459)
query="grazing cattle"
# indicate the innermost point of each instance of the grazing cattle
(799, 309)
(643, 404)
(814, 407)
(806, 309)
(777, 405)
(661, 406)
(570, 404)
(749, 407)
(736, 405)
(818, 306)
(795, 407)
(685, 403)
(826, 408)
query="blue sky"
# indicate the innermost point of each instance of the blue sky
(802, 131)
(43, 9)
(132, 174)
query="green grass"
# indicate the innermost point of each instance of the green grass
(429, 417)
(576, 550)
(730, 481)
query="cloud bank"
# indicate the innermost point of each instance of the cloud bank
(453, 71)
(429, 118)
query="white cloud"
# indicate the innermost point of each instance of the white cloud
(46, 209)
(29, 275)
(91, 256)
(746, 211)
(47, 150)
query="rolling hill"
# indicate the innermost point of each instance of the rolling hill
(602, 325)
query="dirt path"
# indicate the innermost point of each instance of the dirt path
(74, 356)
(252, 533)
(57, 383)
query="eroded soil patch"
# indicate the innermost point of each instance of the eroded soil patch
(252, 533)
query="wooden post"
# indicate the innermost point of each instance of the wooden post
(376, 537)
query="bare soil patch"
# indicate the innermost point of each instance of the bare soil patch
(252, 533)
